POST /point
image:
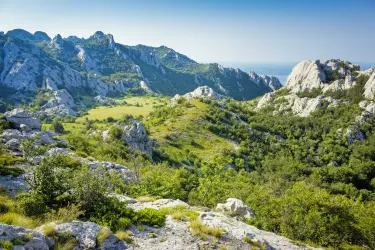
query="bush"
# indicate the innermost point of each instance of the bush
(115, 132)
(32, 204)
(57, 126)
(6, 245)
(150, 217)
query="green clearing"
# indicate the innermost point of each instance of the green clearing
(135, 106)
(187, 134)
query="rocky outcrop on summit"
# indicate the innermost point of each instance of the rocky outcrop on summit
(200, 92)
(330, 75)
(20, 119)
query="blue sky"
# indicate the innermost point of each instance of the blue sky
(236, 31)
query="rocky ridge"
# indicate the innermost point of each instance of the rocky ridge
(30, 62)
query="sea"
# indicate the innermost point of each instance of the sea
(280, 70)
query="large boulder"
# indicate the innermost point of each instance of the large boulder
(135, 135)
(370, 86)
(18, 117)
(28, 239)
(236, 207)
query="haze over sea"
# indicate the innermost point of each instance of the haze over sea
(280, 70)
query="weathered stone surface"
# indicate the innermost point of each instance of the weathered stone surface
(354, 134)
(17, 117)
(239, 230)
(203, 91)
(103, 100)
(270, 81)
(158, 204)
(135, 135)
(14, 184)
(236, 207)
(37, 242)
(370, 86)
(298, 106)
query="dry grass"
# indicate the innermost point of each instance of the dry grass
(68, 244)
(146, 199)
(125, 236)
(49, 229)
(103, 234)
(201, 230)
(16, 219)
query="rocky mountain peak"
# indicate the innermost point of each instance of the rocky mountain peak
(271, 82)
(41, 36)
(101, 37)
(20, 33)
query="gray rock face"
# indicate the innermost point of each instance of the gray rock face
(200, 92)
(354, 134)
(134, 134)
(239, 230)
(370, 87)
(236, 207)
(60, 104)
(14, 184)
(298, 106)
(272, 82)
(37, 242)
(17, 117)
(330, 75)
(103, 100)
(158, 204)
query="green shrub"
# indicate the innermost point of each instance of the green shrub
(57, 126)
(17, 241)
(115, 132)
(6, 245)
(151, 217)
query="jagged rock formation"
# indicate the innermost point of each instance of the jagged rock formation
(271, 81)
(103, 100)
(100, 66)
(330, 75)
(298, 106)
(60, 104)
(200, 92)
